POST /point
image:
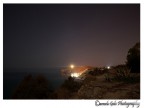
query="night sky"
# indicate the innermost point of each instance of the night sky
(55, 35)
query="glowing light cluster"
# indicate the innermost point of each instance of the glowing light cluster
(71, 66)
(74, 75)
(108, 67)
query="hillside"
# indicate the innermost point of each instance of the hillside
(102, 84)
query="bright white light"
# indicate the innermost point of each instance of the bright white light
(108, 67)
(71, 66)
(74, 75)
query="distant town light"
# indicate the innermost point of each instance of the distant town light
(74, 75)
(71, 66)
(108, 67)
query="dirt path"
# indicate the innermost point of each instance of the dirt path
(101, 89)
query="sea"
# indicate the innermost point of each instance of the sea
(13, 77)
